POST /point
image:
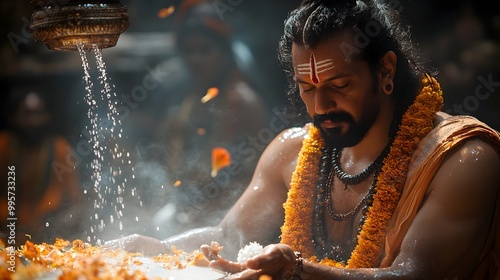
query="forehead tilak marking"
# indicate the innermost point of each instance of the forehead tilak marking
(313, 68)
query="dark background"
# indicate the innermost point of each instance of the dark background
(459, 38)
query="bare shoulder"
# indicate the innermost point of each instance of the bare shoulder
(269, 187)
(471, 169)
(452, 225)
(283, 149)
(280, 157)
(474, 156)
(287, 144)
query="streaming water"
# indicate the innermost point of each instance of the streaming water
(111, 164)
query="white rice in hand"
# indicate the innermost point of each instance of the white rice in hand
(249, 251)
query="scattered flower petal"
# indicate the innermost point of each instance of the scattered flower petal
(165, 12)
(201, 131)
(211, 94)
(177, 183)
(220, 159)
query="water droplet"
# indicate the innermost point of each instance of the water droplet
(105, 130)
(47, 224)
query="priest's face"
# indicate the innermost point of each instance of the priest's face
(340, 92)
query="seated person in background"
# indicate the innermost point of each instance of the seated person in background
(45, 184)
(190, 131)
(380, 184)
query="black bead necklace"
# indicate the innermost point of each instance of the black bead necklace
(348, 179)
(322, 245)
(336, 216)
(329, 169)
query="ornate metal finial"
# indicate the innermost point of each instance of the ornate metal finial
(65, 24)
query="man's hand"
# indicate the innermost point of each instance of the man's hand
(277, 261)
(136, 243)
(211, 253)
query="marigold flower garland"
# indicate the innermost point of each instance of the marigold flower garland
(297, 228)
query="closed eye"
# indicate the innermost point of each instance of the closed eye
(304, 87)
(340, 85)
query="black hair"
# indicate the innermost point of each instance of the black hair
(315, 21)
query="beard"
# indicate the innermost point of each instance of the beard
(338, 137)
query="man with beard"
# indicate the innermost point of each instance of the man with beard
(381, 185)
(41, 195)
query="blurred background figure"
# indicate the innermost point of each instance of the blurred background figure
(192, 128)
(46, 181)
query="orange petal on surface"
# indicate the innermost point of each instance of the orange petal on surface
(177, 183)
(211, 94)
(165, 12)
(220, 159)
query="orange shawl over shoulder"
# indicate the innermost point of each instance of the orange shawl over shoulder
(424, 164)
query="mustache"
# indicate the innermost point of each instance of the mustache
(334, 117)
